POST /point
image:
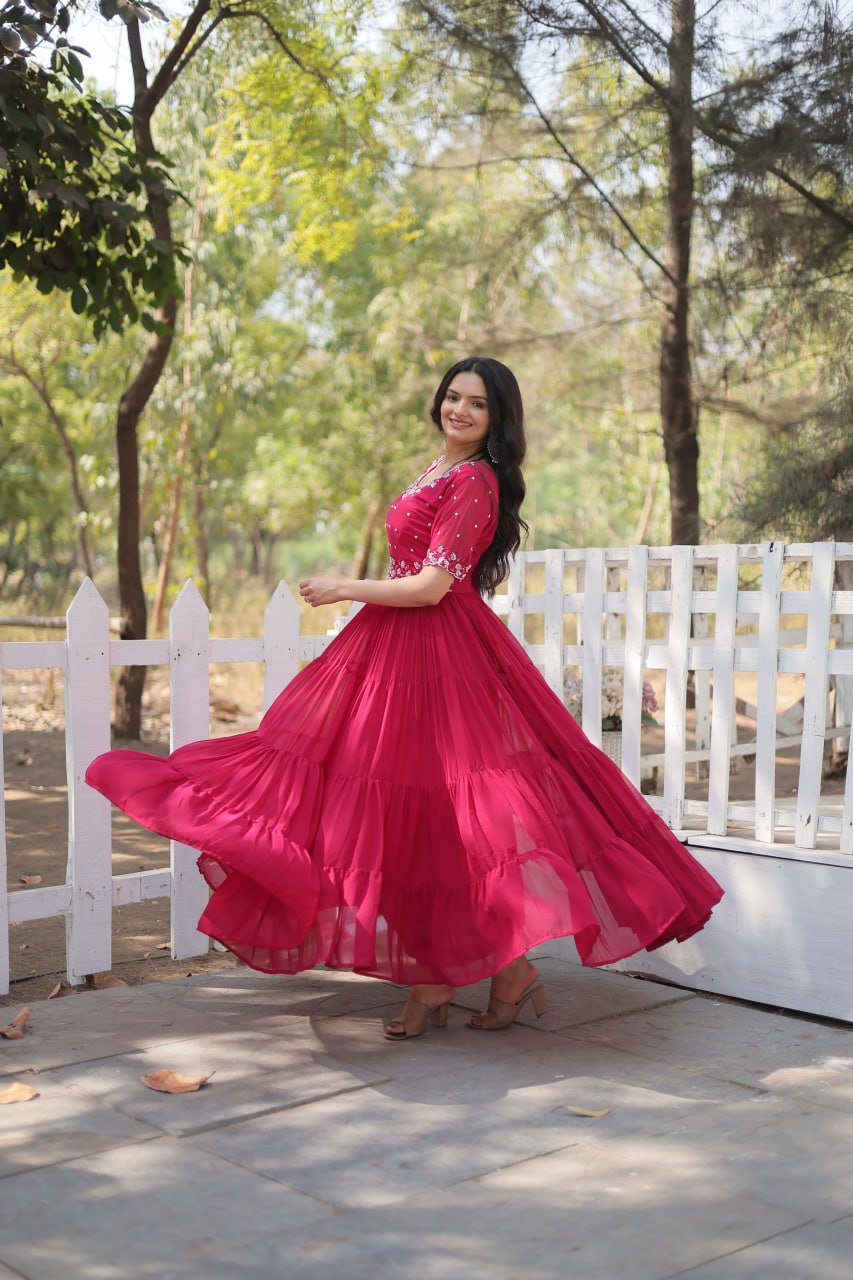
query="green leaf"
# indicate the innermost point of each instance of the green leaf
(10, 39)
(78, 299)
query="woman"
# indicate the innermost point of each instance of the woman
(417, 804)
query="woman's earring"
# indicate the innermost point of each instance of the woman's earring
(492, 450)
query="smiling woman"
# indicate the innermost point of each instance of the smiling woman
(418, 805)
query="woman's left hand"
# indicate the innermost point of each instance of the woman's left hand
(317, 591)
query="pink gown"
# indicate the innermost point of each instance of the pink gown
(418, 804)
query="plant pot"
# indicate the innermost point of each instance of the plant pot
(611, 745)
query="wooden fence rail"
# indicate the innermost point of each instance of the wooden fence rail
(696, 616)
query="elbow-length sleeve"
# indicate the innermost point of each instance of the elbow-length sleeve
(465, 521)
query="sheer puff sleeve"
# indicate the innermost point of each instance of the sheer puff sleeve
(465, 521)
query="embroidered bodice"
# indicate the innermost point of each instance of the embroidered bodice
(448, 522)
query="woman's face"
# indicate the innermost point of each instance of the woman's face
(465, 412)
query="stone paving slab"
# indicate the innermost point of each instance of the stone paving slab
(158, 1209)
(735, 1042)
(788, 1151)
(556, 1073)
(811, 1252)
(377, 1147)
(250, 998)
(58, 1126)
(321, 1150)
(98, 1024)
(252, 1076)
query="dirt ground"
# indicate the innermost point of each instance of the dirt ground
(37, 824)
(37, 831)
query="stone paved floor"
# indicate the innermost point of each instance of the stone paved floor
(319, 1150)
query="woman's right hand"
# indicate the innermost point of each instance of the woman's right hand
(318, 591)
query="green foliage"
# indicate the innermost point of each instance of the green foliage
(72, 213)
(357, 222)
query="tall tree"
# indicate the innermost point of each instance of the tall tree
(304, 48)
(658, 55)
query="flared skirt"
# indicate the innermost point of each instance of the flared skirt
(419, 805)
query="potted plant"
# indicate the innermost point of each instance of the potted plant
(612, 690)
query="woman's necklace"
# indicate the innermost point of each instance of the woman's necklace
(437, 474)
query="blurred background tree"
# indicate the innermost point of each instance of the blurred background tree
(369, 191)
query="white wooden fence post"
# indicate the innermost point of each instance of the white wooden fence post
(87, 735)
(814, 700)
(281, 642)
(4, 897)
(701, 678)
(593, 606)
(675, 728)
(553, 629)
(189, 656)
(773, 558)
(846, 841)
(723, 713)
(635, 644)
(515, 593)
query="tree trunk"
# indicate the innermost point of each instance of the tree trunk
(679, 414)
(86, 553)
(257, 545)
(132, 605)
(641, 528)
(361, 562)
(184, 440)
(202, 548)
(39, 385)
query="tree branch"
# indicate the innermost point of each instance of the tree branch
(811, 197)
(237, 11)
(163, 78)
(499, 55)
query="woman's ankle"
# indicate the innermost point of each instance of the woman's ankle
(515, 977)
(433, 992)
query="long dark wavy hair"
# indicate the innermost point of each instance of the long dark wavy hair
(508, 442)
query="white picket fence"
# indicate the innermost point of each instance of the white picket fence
(588, 609)
(605, 598)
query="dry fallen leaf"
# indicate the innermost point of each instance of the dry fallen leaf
(584, 1111)
(62, 989)
(166, 1081)
(164, 946)
(18, 1093)
(29, 881)
(17, 1026)
(101, 981)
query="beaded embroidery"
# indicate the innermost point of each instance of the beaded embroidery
(400, 569)
(447, 560)
(416, 485)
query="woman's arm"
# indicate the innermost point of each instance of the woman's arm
(424, 588)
